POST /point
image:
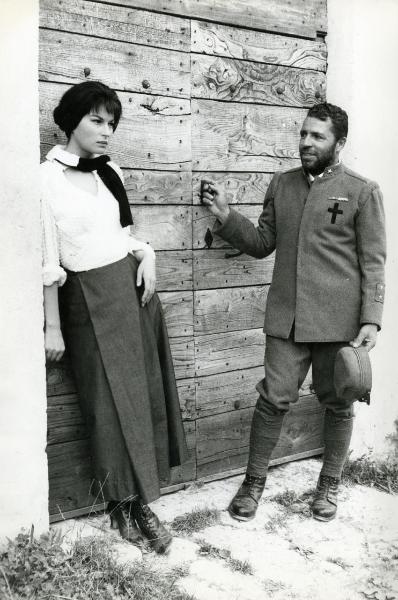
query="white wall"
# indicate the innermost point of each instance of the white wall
(362, 78)
(23, 464)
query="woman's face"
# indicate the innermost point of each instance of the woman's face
(92, 134)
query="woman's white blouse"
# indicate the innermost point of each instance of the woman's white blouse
(81, 231)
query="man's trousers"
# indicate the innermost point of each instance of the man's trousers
(286, 365)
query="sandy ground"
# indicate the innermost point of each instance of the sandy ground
(283, 553)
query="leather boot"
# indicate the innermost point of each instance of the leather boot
(245, 502)
(157, 534)
(122, 519)
(324, 505)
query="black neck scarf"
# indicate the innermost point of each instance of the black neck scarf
(112, 181)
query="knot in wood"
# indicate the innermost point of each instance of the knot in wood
(317, 94)
(236, 404)
(86, 71)
(280, 89)
(145, 84)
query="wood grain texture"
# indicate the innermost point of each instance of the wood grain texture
(234, 390)
(230, 309)
(204, 220)
(178, 312)
(303, 18)
(244, 137)
(222, 440)
(182, 351)
(212, 270)
(70, 477)
(164, 227)
(174, 270)
(157, 187)
(238, 188)
(154, 132)
(221, 352)
(116, 23)
(232, 42)
(71, 58)
(231, 80)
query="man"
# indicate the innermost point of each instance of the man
(326, 224)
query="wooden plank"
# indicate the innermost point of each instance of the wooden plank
(234, 390)
(182, 351)
(221, 40)
(305, 19)
(174, 270)
(239, 188)
(157, 187)
(116, 23)
(212, 270)
(244, 137)
(231, 80)
(59, 378)
(154, 132)
(229, 309)
(221, 352)
(222, 440)
(70, 477)
(204, 220)
(178, 312)
(164, 227)
(71, 58)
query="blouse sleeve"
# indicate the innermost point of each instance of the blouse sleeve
(52, 271)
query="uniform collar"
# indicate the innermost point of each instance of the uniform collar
(328, 172)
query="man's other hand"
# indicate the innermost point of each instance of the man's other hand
(367, 337)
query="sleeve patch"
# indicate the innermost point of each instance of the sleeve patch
(379, 294)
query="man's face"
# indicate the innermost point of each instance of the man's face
(318, 146)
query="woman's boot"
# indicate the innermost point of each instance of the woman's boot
(123, 519)
(157, 534)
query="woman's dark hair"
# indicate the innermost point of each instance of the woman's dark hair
(80, 100)
(337, 115)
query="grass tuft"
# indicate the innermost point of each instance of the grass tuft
(243, 566)
(196, 520)
(38, 568)
(372, 472)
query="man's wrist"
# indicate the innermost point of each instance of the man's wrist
(223, 215)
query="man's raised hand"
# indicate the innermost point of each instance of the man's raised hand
(213, 198)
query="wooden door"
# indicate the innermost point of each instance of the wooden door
(214, 89)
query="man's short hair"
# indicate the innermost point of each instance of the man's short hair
(337, 115)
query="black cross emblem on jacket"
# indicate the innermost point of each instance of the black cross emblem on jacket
(335, 211)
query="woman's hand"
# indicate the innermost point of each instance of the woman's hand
(147, 272)
(53, 343)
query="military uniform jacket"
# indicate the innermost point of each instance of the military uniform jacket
(330, 252)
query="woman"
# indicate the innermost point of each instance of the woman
(114, 333)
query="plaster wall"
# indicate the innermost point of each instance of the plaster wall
(362, 78)
(23, 463)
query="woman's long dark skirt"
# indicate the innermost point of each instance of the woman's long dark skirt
(124, 375)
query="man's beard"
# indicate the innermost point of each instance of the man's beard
(322, 161)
